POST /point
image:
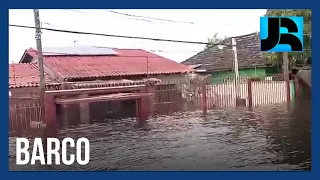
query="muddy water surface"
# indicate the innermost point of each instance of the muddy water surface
(266, 138)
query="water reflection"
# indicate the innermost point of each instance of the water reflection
(266, 138)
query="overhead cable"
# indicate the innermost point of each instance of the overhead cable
(117, 36)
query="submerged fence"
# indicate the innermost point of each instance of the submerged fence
(25, 119)
(262, 92)
(269, 92)
(187, 94)
(170, 97)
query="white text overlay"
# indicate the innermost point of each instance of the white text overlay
(54, 155)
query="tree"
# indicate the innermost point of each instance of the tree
(214, 40)
(295, 57)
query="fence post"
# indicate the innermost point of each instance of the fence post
(84, 110)
(288, 90)
(50, 116)
(204, 97)
(142, 104)
(250, 92)
(151, 89)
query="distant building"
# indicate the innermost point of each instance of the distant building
(219, 62)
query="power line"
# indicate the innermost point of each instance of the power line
(117, 36)
(153, 18)
(137, 19)
(73, 10)
(134, 17)
(148, 18)
(211, 45)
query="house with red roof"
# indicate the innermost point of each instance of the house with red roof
(74, 64)
(87, 67)
(24, 81)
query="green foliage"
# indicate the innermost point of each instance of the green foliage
(294, 56)
(214, 40)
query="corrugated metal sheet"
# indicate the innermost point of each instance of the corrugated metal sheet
(126, 62)
(24, 75)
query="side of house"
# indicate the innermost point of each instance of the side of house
(219, 63)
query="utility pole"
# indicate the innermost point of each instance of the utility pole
(286, 74)
(236, 68)
(40, 61)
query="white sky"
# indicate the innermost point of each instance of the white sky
(207, 22)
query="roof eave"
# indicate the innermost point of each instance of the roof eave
(89, 78)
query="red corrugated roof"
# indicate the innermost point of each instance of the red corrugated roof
(24, 75)
(126, 62)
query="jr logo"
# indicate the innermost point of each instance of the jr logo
(281, 34)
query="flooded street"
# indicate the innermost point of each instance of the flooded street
(266, 138)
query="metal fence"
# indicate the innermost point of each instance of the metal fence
(269, 92)
(25, 119)
(187, 94)
(180, 95)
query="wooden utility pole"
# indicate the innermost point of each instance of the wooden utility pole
(236, 67)
(40, 62)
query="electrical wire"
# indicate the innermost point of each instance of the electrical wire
(118, 36)
(150, 19)
(210, 45)
(137, 19)
(153, 18)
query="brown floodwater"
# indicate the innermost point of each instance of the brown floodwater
(273, 137)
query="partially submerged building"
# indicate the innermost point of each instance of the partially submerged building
(74, 68)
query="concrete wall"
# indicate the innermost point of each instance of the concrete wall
(24, 92)
(23, 95)
(219, 77)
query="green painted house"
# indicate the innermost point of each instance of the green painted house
(219, 62)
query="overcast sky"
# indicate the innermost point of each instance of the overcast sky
(189, 25)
